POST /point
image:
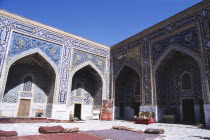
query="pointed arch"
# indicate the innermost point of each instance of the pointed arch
(186, 80)
(30, 52)
(121, 97)
(92, 65)
(128, 65)
(117, 74)
(14, 59)
(186, 52)
(179, 49)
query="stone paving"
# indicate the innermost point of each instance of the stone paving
(172, 131)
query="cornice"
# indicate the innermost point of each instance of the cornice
(49, 28)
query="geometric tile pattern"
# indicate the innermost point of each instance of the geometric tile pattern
(87, 99)
(88, 82)
(12, 95)
(160, 87)
(147, 97)
(204, 22)
(21, 43)
(89, 48)
(170, 91)
(4, 37)
(7, 24)
(120, 62)
(39, 87)
(171, 35)
(93, 96)
(98, 98)
(173, 87)
(98, 92)
(39, 96)
(27, 84)
(186, 38)
(108, 77)
(65, 69)
(144, 68)
(197, 88)
(13, 86)
(80, 57)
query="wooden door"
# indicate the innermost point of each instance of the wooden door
(24, 108)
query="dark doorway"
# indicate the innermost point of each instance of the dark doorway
(122, 110)
(77, 111)
(188, 110)
(127, 88)
(136, 109)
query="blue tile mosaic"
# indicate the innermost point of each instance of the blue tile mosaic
(21, 43)
(7, 24)
(39, 96)
(80, 57)
(186, 38)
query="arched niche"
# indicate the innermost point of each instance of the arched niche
(127, 101)
(87, 90)
(171, 98)
(41, 95)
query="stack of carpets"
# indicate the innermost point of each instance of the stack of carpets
(8, 133)
(56, 129)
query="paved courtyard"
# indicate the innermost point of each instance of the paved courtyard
(172, 131)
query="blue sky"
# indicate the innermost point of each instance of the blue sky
(104, 21)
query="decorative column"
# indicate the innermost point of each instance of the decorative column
(204, 22)
(108, 77)
(147, 99)
(4, 39)
(62, 97)
(147, 104)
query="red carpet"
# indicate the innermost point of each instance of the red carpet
(68, 136)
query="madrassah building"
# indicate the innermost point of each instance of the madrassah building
(51, 73)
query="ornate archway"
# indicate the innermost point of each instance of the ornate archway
(178, 82)
(31, 78)
(87, 90)
(127, 93)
